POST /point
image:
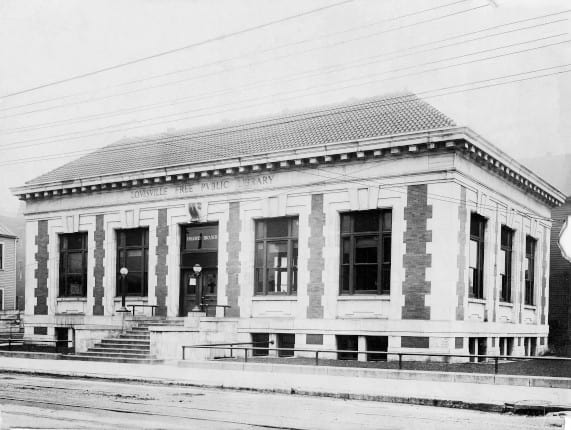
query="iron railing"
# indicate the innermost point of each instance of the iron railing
(496, 359)
(153, 308)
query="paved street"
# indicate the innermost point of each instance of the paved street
(41, 402)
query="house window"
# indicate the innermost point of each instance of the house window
(73, 265)
(261, 344)
(347, 347)
(476, 274)
(366, 252)
(505, 263)
(1, 256)
(286, 344)
(276, 256)
(529, 268)
(133, 253)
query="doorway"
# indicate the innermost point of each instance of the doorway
(199, 246)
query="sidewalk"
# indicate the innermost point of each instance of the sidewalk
(305, 380)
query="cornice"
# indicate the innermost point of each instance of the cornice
(459, 139)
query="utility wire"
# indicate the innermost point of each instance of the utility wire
(184, 115)
(182, 48)
(238, 67)
(312, 72)
(186, 138)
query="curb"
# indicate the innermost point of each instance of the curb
(456, 404)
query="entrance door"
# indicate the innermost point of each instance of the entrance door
(199, 247)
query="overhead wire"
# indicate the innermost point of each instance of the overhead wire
(258, 84)
(189, 137)
(240, 67)
(174, 50)
(272, 98)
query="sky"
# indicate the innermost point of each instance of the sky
(76, 76)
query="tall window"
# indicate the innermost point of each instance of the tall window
(1, 256)
(366, 252)
(276, 256)
(133, 253)
(476, 274)
(505, 263)
(529, 266)
(73, 265)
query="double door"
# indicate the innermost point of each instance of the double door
(199, 291)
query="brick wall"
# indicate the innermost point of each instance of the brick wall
(41, 274)
(233, 266)
(416, 260)
(161, 268)
(461, 261)
(99, 269)
(316, 262)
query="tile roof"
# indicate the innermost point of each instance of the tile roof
(5, 231)
(379, 116)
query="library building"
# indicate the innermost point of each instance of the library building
(374, 226)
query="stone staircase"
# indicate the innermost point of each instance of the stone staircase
(133, 346)
(11, 325)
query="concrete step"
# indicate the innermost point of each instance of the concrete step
(122, 341)
(123, 346)
(135, 336)
(139, 351)
(112, 359)
(115, 354)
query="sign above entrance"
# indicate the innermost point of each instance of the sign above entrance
(230, 185)
(203, 237)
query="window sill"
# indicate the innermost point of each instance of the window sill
(475, 300)
(530, 307)
(349, 297)
(276, 297)
(71, 299)
(507, 304)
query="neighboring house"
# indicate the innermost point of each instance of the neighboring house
(560, 287)
(7, 269)
(376, 225)
(18, 226)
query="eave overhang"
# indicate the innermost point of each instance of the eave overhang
(460, 139)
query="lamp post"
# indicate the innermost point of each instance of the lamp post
(197, 268)
(123, 272)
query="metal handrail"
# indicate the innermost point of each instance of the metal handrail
(22, 341)
(153, 307)
(496, 358)
(213, 345)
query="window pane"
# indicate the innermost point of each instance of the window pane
(345, 279)
(366, 249)
(502, 262)
(294, 280)
(473, 253)
(387, 249)
(133, 262)
(209, 280)
(386, 278)
(345, 223)
(294, 227)
(277, 281)
(133, 283)
(260, 229)
(277, 227)
(75, 262)
(295, 251)
(277, 254)
(74, 241)
(345, 251)
(387, 220)
(259, 282)
(75, 285)
(259, 261)
(366, 277)
(133, 237)
(366, 221)
(476, 225)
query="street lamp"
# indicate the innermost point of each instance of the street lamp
(197, 268)
(123, 272)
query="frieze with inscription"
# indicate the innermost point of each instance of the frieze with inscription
(209, 186)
